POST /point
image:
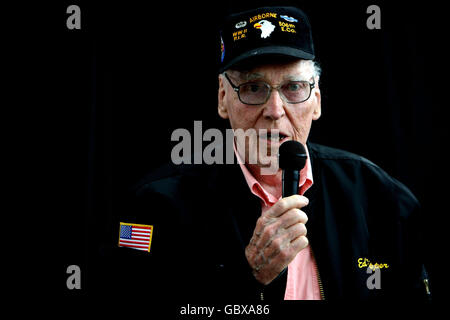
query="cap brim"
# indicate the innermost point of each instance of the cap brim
(276, 51)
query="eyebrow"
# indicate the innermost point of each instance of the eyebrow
(296, 78)
(252, 76)
(257, 75)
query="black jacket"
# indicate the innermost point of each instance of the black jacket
(204, 216)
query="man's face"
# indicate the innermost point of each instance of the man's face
(292, 120)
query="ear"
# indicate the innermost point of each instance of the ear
(221, 106)
(317, 111)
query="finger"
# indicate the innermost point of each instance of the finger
(292, 217)
(284, 240)
(295, 231)
(285, 204)
(264, 234)
(299, 243)
(288, 253)
(282, 257)
(270, 216)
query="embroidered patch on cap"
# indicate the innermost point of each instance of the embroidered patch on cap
(290, 19)
(266, 28)
(222, 49)
(275, 32)
(135, 236)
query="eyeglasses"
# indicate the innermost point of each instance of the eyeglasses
(258, 92)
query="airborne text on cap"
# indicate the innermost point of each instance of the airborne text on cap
(263, 16)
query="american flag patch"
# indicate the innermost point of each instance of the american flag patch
(135, 236)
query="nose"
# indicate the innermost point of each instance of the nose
(274, 107)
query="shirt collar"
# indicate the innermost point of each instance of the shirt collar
(306, 180)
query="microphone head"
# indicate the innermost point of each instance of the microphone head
(292, 155)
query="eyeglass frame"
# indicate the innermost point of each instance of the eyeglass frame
(237, 89)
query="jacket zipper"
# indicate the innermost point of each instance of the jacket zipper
(319, 280)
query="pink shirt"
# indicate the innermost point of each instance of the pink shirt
(302, 281)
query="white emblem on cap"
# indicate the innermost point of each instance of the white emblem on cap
(290, 19)
(266, 28)
(241, 24)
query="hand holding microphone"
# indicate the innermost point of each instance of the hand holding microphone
(280, 233)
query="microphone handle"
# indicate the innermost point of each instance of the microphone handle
(290, 181)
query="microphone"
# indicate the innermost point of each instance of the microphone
(291, 159)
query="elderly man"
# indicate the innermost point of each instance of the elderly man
(223, 232)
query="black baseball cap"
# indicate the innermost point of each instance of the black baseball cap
(263, 32)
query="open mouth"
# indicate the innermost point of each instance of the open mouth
(278, 136)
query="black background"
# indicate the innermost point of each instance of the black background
(104, 100)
